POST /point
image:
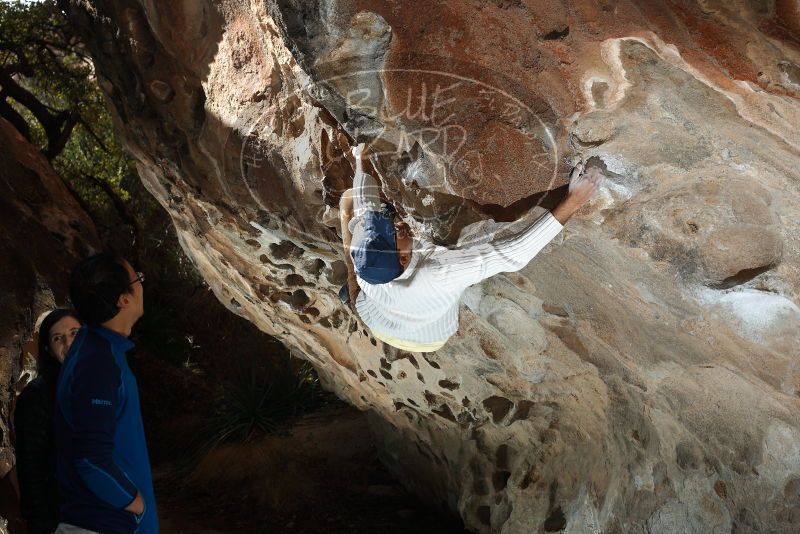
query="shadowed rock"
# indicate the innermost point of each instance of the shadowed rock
(44, 232)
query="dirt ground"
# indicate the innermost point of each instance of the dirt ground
(323, 477)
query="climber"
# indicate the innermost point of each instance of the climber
(407, 290)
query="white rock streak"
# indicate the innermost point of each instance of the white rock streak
(778, 115)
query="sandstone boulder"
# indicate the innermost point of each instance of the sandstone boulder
(626, 380)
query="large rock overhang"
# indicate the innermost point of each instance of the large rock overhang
(642, 371)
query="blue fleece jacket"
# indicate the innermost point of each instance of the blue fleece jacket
(101, 451)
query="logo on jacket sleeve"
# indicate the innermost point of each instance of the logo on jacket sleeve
(101, 402)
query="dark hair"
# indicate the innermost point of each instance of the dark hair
(95, 286)
(46, 362)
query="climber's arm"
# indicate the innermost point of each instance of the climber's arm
(469, 265)
(345, 214)
(464, 266)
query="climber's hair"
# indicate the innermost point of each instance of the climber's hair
(95, 286)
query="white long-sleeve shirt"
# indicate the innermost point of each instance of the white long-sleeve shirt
(421, 305)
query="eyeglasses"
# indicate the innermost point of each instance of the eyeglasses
(139, 278)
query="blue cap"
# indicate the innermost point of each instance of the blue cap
(374, 249)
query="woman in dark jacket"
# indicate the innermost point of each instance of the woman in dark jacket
(33, 425)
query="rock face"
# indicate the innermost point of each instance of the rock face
(642, 373)
(45, 232)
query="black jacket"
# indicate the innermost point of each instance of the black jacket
(36, 455)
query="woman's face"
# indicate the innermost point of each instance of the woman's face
(61, 336)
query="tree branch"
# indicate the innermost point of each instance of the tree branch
(55, 146)
(18, 121)
(26, 98)
(8, 47)
(54, 124)
(82, 203)
(68, 48)
(123, 211)
(88, 128)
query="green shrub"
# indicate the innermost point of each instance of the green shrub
(261, 398)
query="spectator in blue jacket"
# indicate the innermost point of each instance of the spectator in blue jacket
(103, 468)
